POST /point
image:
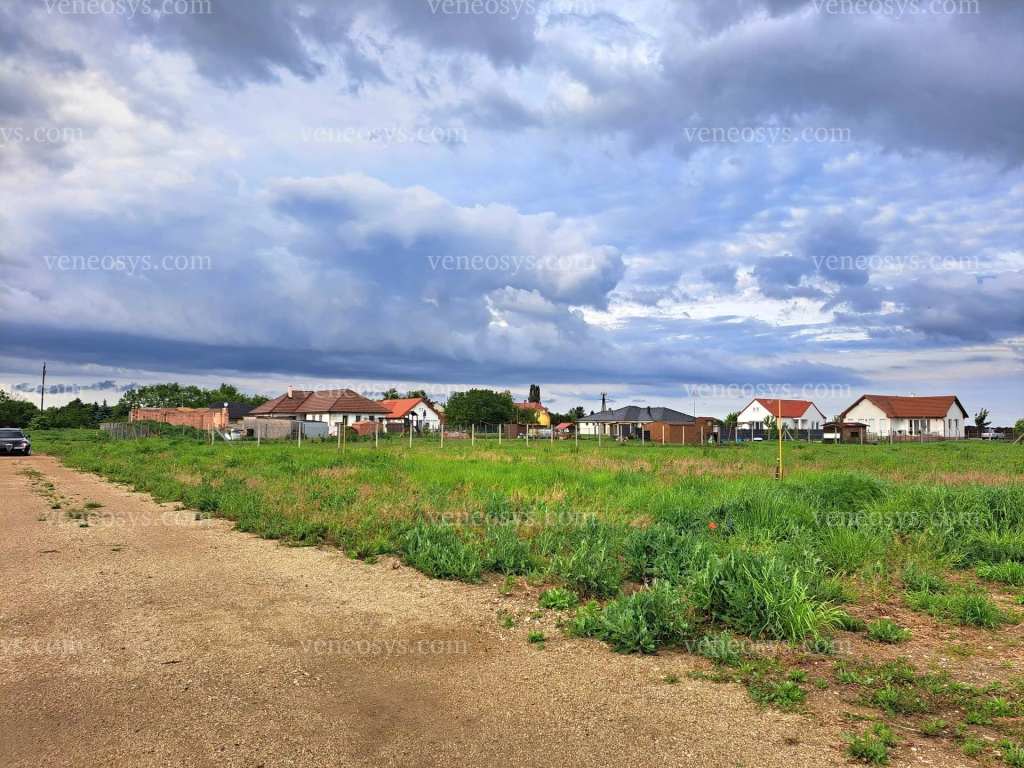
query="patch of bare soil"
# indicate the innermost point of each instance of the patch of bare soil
(145, 637)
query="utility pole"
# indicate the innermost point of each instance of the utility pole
(42, 391)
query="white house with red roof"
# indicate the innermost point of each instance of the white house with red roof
(940, 415)
(413, 411)
(796, 414)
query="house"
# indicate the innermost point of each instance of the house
(940, 416)
(197, 418)
(628, 421)
(236, 411)
(543, 416)
(844, 432)
(331, 406)
(702, 430)
(566, 428)
(796, 414)
(416, 412)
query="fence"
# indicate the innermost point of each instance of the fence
(129, 431)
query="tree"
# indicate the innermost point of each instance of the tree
(1018, 428)
(772, 427)
(730, 421)
(478, 406)
(526, 416)
(177, 396)
(15, 412)
(981, 419)
(418, 393)
(534, 394)
(391, 393)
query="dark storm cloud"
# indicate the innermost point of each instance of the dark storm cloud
(723, 277)
(785, 277)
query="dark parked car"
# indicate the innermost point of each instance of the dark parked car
(14, 441)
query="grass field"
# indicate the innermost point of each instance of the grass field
(649, 547)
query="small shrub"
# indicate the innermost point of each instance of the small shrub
(671, 678)
(797, 676)
(558, 599)
(933, 727)
(821, 683)
(887, 631)
(92, 505)
(537, 638)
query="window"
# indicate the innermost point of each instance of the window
(882, 428)
(871, 425)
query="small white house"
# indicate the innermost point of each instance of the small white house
(939, 416)
(796, 414)
(414, 411)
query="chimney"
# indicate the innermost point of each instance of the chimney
(603, 406)
(291, 393)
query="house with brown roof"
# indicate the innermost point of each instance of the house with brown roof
(332, 406)
(935, 416)
(796, 414)
(415, 412)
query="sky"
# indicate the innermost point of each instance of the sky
(686, 204)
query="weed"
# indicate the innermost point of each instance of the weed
(536, 637)
(1008, 572)
(92, 505)
(933, 727)
(442, 553)
(558, 599)
(1013, 754)
(507, 585)
(641, 622)
(785, 695)
(848, 623)
(797, 676)
(899, 701)
(821, 683)
(872, 747)
(973, 746)
(887, 631)
(671, 678)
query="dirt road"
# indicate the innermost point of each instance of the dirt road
(151, 639)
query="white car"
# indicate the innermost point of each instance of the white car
(991, 434)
